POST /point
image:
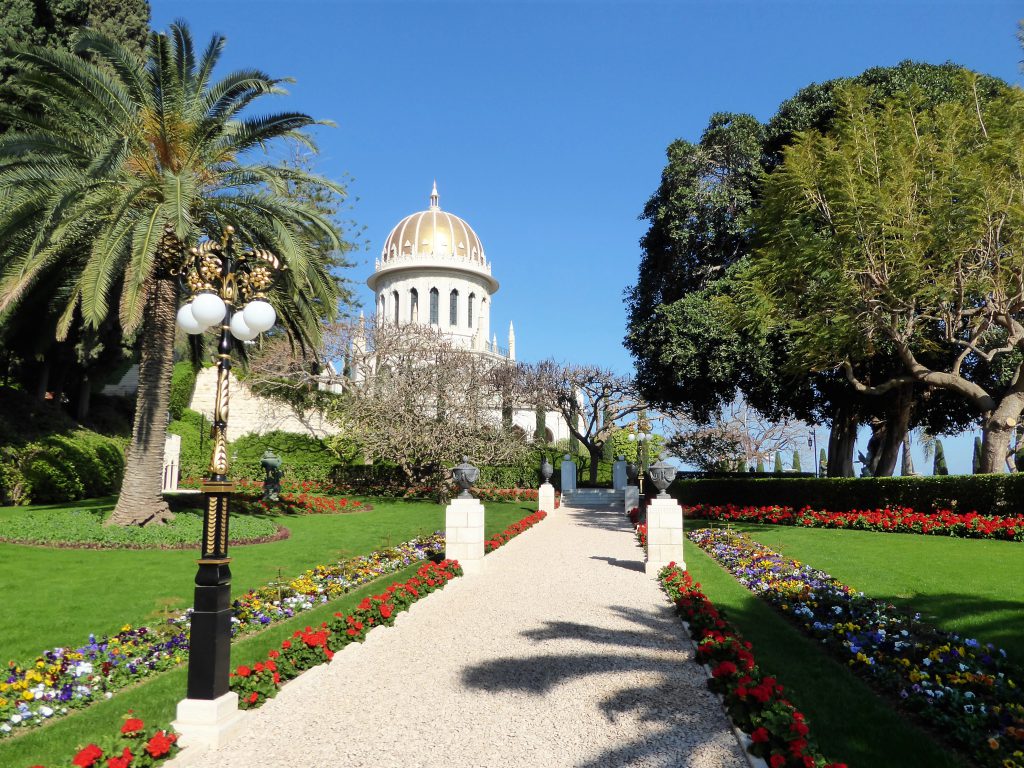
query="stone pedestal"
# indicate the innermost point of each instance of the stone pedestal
(664, 535)
(546, 498)
(619, 474)
(632, 498)
(464, 534)
(568, 475)
(208, 723)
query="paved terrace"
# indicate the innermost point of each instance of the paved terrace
(562, 653)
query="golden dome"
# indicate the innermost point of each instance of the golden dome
(433, 233)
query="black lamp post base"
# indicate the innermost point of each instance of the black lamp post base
(210, 635)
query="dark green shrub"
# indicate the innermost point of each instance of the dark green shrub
(939, 465)
(1001, 494)
(796, 461)
(778, 462)
(303, 457)
(183, 384)
(976, 458)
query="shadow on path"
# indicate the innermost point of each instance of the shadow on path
(629, 565)
(685, 730)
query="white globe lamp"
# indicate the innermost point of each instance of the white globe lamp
(187, 321)
(208, 309)
(240, 330)
(259, 315)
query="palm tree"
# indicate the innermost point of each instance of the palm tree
(117, 165)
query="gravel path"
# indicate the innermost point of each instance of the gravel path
(562, 653)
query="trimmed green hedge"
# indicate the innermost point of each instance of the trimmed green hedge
(183, 384)
(66, 467)
(303, 457)
(989, 494)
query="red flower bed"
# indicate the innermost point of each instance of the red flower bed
(514, 530)
(889, 520)
(754, 700)
(309, 647)
(132, 747)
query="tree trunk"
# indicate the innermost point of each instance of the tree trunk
(907, 469)
(43, 380)
(84, 393)
(897, 425)
(842, 439)
(596, 451)
(997, 430)
(141, 502)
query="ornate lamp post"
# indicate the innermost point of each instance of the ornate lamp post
(228, 294)
(640, 433)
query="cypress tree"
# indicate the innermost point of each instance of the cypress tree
(939, 465)
(822, 463)
(778, 463)
(796, 461)
(976, 460)
(540, 433)
(760, 464)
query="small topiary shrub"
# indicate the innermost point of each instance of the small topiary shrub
(183, 384)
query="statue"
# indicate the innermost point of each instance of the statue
(273, 473)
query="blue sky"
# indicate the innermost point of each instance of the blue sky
(545, 124)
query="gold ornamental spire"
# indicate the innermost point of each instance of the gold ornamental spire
(434, 206)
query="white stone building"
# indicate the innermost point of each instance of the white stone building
(433, 270)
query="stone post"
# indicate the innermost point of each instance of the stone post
(546, 498)
(464, 533)
(632, 498)
(619, 473)
(568, 474)
(664, 535)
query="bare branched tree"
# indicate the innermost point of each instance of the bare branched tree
(592, 400)
(414, 398)
(740, 433)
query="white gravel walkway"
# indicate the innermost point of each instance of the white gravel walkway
(562, 653)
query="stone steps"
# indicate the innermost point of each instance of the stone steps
(593, 497)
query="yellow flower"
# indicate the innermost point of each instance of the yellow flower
(28, 695)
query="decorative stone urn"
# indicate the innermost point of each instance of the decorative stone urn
(272, 474)
(662, 474)
(546, 470)
(465, 476)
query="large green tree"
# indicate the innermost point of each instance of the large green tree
(686, 353)
(899, 235)
(119, 164)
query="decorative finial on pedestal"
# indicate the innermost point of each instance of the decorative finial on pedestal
(434, 197)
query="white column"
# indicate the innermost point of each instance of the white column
(464, 534)
(664, 535)
(546, 498)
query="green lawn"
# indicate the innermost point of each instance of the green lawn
(58, 596)
(967, 586)
(155, 700)
(850, 723)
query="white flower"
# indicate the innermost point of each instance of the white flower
(15, 719)
(46, 711)
(5, 728)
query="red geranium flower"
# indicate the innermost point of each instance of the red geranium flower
(160, 745)
(777, 761)
(124, 761)
(87, 757)
(243, 671)
(132, 725)
(760, 735)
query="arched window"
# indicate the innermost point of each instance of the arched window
(394, 298)
(414, 305)
(469, 314)
(380, 307)
(453, 308)
(434, 311)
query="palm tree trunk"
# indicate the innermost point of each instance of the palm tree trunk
(908, 459)
(141, 501)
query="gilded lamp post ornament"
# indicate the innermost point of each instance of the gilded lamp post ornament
(228, 296)
(662, 474)
(465, 475)
(546, 470)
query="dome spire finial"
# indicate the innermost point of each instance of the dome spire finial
(434, 206)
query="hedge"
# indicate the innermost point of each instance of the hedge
(1001, 494)
(183, 384)
(64, 467)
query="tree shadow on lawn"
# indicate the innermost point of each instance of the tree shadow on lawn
(678, 701)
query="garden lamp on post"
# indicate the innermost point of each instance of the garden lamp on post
(640, 433)
(228, 296)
